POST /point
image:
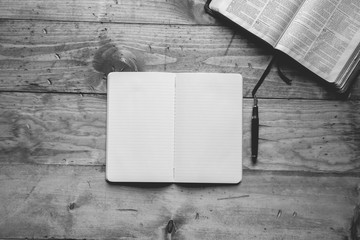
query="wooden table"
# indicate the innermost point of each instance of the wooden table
(306, 184)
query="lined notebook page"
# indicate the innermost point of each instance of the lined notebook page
(208, 128)
(140, 127)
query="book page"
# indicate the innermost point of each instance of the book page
(267, 19)
(140, 127)
(323, 36)
(208, 128)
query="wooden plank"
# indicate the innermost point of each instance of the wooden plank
(76, 202)
(60, 57)
(52, 128)
(70, 129)
(129, 11)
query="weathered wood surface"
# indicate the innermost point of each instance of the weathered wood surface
(149, 11)
(311, 135)
(75, 202)
(53, 115)
(44, 56)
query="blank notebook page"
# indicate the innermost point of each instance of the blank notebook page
(208, 128)
(140, 127)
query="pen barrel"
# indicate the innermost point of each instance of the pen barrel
(254, 134)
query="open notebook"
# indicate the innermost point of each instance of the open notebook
(167, 127)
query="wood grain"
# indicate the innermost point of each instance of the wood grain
(52, 128)
(306, 184)
(131, 11)
(59, 57)
(40, 202)
(70, 129)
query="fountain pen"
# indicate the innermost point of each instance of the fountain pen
(254, 131)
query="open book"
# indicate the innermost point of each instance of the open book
(322, 35)
(167, 127)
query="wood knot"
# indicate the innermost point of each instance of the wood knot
(72, 206)
(110, 58)
(170, 227)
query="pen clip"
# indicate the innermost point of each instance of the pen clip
(255, 101)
